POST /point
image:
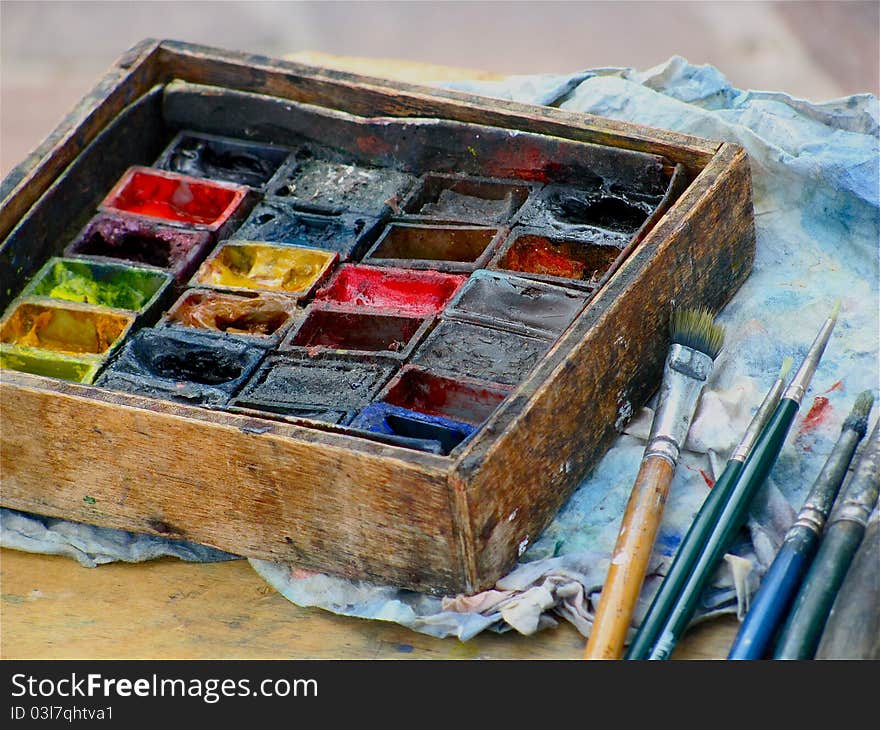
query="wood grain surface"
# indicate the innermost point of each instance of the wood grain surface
(53, 608)
(456, 527)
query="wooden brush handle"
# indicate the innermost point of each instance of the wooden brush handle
(629, 561)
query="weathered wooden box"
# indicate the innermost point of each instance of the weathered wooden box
(318, 496)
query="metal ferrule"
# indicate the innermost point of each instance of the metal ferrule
(684, 375)
(801, 381)
(853, 512)
(762, 415)
(861, 493)
(820, 500)
(811, 518)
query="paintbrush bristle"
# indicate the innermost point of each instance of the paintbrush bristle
(786, 368)
(835, 310)
(696, 328)
(857, 420)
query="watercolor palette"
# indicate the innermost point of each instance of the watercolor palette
(286, 320)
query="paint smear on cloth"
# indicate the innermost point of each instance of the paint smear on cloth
(815, 176)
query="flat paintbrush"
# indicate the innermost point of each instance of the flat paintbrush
(692, 545)
(779, 586)
(696, 341)
(853, 627)
(846, 527)
(733, 515)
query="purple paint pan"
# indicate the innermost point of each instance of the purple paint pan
(116, 237)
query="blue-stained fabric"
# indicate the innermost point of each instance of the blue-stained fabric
(816, 173)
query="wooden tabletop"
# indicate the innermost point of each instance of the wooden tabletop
(52, 607)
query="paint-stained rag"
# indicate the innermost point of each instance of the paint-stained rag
(815, 176)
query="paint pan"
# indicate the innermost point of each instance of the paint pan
(113, 285)
(79, 369)
(440, 247)
(331, 389)
(260, 318)
(178, 199)
(584, 213)
(252, 266)
(477, 351)
(396, 421)
(306, 180)
(357, 332)
(277, 221)
(201, 368)
(222, 158)
(464, 400)
(456, 198)
(420, 293)
(504, 301)
(128, 238)
(77, 329)
(567, 261)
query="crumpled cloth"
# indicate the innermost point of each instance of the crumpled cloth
(816, 171)
(91, 545)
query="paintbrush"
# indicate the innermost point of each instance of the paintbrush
(696, 341)
(853, 627)
(846, 527)
(780, 585)
(703, 524)
(733, 514)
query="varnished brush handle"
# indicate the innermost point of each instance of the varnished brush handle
(629, 561)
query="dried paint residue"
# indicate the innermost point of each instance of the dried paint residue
(817, 415)
(133, 239)
(64, 330)
(436, 395)
(120, 288)
(710, 482)
(256, 266)
(230, 313)
(407, 291)
(48, 364)
(569, 259)
(173, 197)
(345, 330)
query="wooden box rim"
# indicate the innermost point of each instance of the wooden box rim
(153, 62)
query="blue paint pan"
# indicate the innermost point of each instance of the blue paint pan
(393, 420)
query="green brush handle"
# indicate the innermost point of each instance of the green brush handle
(730, 520)
(801, 633)
(853, 627)
(846, 528)
(687, 555)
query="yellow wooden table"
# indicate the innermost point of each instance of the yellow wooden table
(53, 608)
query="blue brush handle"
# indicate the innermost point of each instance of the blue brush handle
(775, 596)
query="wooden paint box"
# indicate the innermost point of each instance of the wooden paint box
(285, 489)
